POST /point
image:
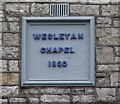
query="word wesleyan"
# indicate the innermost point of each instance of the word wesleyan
(60, 36)
(58, 50)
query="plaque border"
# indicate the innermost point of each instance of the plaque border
(24, 79)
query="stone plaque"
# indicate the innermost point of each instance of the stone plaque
(58, 51)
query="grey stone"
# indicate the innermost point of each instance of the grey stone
(55, 98)
(9, 90)
(117, 51)
(77, 90)
(99, 1)
(17, 100)
(4, 26)
(40, 9)
(34, 100)
(14, 26)
(11, 39)
(104, 22)
(114, 77)
(84, 9)
(104, 55)
(117, 59)
(109, 40)
(11, 52)
(12, 18)
(110, 10)
(89, 90)
(106, 94)
(87, 98)
(102, 79)
(116, 22)
(13, 66)
(3, 66)
(107, 68)
(55, 90)
(101, 32)
(17, 8)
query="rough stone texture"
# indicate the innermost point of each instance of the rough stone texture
(55, 98)
(77, 90)
(11, 52)
(3, 65)
(17, 8)
(11, 39)
(87, 98)
(99, 1)
(104, 22)
(17, 100)
(108, 68)
(117, 51)
(84, 9)
(34, 100)
(114, 78)
(38, 9)
(104, 55)
(117, 59)
(110, 10)
(13, 66)
(106, 94)
(55, 90)
(9, 79)
(14, 27)
(116, 22)
(11, 18)
(102, 79)
(9, 90)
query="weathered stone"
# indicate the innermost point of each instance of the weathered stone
(107, 68)
(0, 36)
(110, 10)
(29, 91)
(104, 22)
(3, 65)
(11, 39)
(116, 22)
(102, 79)
(101, 32)
(14, 26)
(55, 90)
(34, 100)
(9, 90)
(17, 8)
(99, 1)
(114, 78)
(12, 18)
(1, 50)
(9, 78)
(11, 52)
(13, 66)
(109, 40)
(17, 100)
(77, 90)
(89, 90)
(106, 94)
(117, 59)
(104, 55)
(4, 27)
(87, 98)
(40, 9)
(55, 98)
(84, 9)
(117, 51)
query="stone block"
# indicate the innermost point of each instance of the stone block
(1, 52)
(10, 39)
(101, 32)
(9, 78)
(17, 8)
(40, 9)
(14, 26)
(104, 22)
(99, 1)
(102, 79)
(4, 27)
(3, 66)
(117, 51)
(17, 100)
(55, 90)
(117, 59)
(84, 9)
(13, 66)
(109, 40)
(55, 98)
(76, 98)
(12, 19)
(77, 90)
(104, 55)
(11, 52)
(89, 90)
(87, 98)
(9, 90)
(106, 94)
(34, 100)
(114, 77)
(116, 22)
(107, 68)
(110, 10)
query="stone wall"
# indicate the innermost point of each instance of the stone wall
(107, 70)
